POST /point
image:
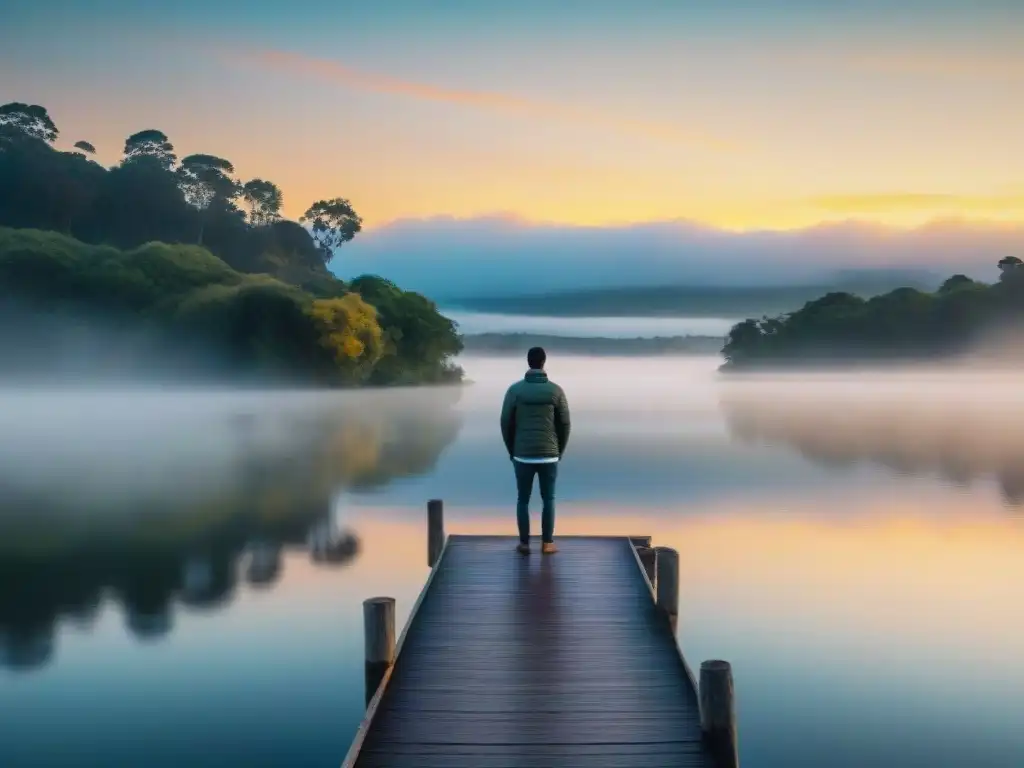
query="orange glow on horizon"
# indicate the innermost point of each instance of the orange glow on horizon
(526, 207)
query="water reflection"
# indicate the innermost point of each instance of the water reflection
(910, 432)
(180, 543)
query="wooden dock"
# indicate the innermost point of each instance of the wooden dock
(542, 660)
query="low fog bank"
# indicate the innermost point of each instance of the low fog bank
(963, 422)
(75, 349)
(135, 451)
(960, 384)
(993, 350)
(601, 386)
(970, 382)
(1000, 347)
(658, 383)
(442, 256)
(105, 452)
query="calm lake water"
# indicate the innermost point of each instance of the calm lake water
(181, 574)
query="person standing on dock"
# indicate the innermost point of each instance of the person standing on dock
(535, 428)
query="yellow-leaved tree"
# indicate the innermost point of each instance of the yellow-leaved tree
(349, 331)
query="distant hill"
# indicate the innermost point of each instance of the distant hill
(691, 300)
(518, 343)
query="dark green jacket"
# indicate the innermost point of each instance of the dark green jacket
(535, 418)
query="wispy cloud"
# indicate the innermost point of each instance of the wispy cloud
(909, 202)
(335, 72)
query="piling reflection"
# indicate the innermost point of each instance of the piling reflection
(910, 433)
(193, 546)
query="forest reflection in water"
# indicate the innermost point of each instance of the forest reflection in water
(255, 476)
(965, 428)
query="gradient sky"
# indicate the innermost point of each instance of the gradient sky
(773, 114)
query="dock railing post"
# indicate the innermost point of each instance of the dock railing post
(379, 633)
(649, 560)
(718, 712)
(667, 564)
(435, 530)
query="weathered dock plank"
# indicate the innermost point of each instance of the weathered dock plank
(541, 660)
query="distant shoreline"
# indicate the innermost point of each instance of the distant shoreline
(698, 301)
(508, 344)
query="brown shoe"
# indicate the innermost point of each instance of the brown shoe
(548, 548)
(523, 549)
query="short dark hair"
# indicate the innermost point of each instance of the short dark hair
(536, 357)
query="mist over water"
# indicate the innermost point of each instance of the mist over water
(75, 349)
(140, 444)
(963, 425)
(192, 561)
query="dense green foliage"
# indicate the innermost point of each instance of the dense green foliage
(903, 325)
(418, 340)
(177, 296)
(187, 251)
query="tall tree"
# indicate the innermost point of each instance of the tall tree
(1011, 273)
(19, 120)
(956, 282)
(139, 202)
(264, 200)
(74, 185)
(333, 223)
(152, 145)
(86, 147)
(205, 180)
(1009, 264)
(39, 188)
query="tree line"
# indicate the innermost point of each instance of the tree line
(963, 316)
(151, 195)
(369, 331)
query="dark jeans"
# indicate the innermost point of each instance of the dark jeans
(546, 476)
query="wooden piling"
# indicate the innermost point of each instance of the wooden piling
(435, 530)
(379, 634)
(718, 712)
(668, 582)
(649, 560)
